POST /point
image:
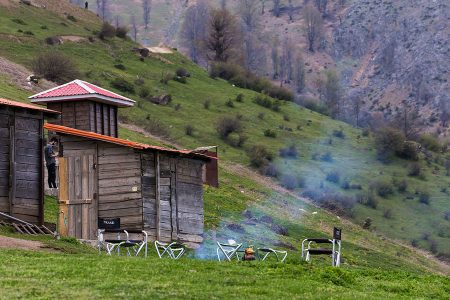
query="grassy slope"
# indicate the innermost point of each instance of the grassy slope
(226, 204)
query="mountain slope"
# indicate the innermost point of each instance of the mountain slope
(314, 135)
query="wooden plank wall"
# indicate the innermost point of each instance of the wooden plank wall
(119, 185)
(4, 159)
(21, 163)
(86, 115)
(149, 194)
(189, 192)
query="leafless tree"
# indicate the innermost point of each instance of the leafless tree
(299, 73)
(146, 9)
(313, 22)
(276, 8)
(275, 60)
(254, 54)
(445, 112)
(333, 93)
(194, 29)
(291, 11)
(103, 9)
(223, 35)
(134, 27)
(288, 60)
(408, 119)
(322, 6)
(263, 6)
(117, 21)
(248, 12)
(223, 4)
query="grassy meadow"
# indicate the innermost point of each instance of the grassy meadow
(373, 266)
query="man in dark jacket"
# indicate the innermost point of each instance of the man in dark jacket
(50, 161)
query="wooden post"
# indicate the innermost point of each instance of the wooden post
(158, 198)
(42, 166)
(173, 197)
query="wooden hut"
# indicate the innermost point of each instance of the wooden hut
(21, 160)
(149, 188)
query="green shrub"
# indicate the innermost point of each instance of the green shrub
(229, 103)
(238, 76)
(333, 176)
(120, 67)
(121, 32)
(240, 98)
(72, 18)
(227, 125)
(28, 32)
(289, 152)
(388, 141)
(382, 188)
(424, 197)
(415, 169)
(270, 133)
(315, 106)
(206, 104)
(189, 130)
(430, 142)
(339, 133)
(259, 156)
(107, 31)
(19, 21)
(144, 92)
(182, 72)
(409, 151)
(123, 85)
(179, 79)
(289, 181)
(55, 66)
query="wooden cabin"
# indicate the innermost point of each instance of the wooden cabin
(103, 177)
(84, 106)
(21, 160)
(149, 188)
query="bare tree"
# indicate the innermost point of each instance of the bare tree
(248, 12)
(276, 8)
(322, 6)
(223, 4)
(287, 60)
(194, 29)
(134, 27)
(223, 35)
(146, 9)
(291, 11)
(254, 54)
(333, 93)
(299, 73)
(263, 6)
(445, 112)
(313, 22)
(117, 21)
(103, 9)
(408, 120)
(275, 60)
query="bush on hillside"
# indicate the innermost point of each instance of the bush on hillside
(424, 197)
(402, 185)
(409, 151)
(333, 176)
(430, 142)
(289, 152)
(240, 98)
(229, 103)
(259, 156)
(179, 79)
(107, 31)
(123, 85)
(55, 66)
(72, 18)
(382, 188)
(189, 130)
(182, 72)
(122, 31)
(339, 133)
(238, 76)
(327, 157)
(415, 169)
(206, 104)
(227, 125)
(314, 105)
(289, 181)
(52, 40)
(144, 92)
(270, 133)
(388, 141)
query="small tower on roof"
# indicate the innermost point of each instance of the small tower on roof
(84, 106)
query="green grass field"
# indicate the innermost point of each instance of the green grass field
(373, 266)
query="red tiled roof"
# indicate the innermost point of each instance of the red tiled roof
(81, 88)
(122, 142)
(26, 105)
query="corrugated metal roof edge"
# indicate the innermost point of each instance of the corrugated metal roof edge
(122, 142)
(27, 106)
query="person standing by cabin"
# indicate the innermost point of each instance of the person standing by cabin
(50, 162)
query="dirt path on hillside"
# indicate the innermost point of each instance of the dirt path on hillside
(13, 243)
(163, 50)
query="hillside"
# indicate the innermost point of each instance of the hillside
(237, 207)
(386, 62)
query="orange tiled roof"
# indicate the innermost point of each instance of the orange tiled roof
(117, 141)
(26, 105)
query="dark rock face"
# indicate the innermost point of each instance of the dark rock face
(396, 53)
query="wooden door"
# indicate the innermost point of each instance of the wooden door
(77, 195)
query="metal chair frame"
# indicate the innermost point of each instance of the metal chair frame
(335, 251)
(135, 245)
(269, 251)
(109, 246)
(228, 250)
(173, 250)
